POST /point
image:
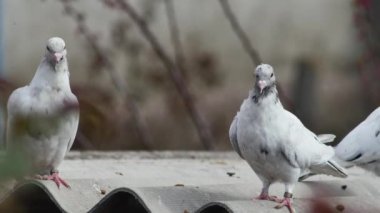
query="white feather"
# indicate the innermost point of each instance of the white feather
(41, 126)
(275, 143)
(362, 145)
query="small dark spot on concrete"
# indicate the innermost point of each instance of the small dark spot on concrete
(340, 207)
(179, 185)
(230, 174)
(103, 191)
(344, 187)
(377, 133)
(119, 173)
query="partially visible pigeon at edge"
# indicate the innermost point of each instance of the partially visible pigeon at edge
(361, 146)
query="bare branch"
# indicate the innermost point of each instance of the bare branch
(174, 72)
(253, 54)
(175, 37)
(120, 85)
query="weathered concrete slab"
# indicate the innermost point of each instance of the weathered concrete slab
(182, 182)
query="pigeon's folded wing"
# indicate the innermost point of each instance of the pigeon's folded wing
(19, 102)
(306, 151)
(74, 121)
(19, 112)
(233, 136)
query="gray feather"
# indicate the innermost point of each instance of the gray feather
(233, 136)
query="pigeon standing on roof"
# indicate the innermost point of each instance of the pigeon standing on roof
(275, 143)
(361, 146)
(43, 116)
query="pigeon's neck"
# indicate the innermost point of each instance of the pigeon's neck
(270, 94)
(51, 76)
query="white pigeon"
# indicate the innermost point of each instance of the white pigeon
(43, 116)
(361, 146)
(275, 143)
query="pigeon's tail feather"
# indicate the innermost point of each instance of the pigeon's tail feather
(306, 176)
(329, 168)
(326, 138)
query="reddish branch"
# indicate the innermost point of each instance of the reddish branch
(117, 80)
(174, 72)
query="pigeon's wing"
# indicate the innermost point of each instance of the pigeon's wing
(74, 120)
(18, 108)
(306, 151)
(233, 135)
(362, 144)
(19, 102)
(330, 168)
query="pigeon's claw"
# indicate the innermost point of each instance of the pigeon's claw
(264, 196)
(286, 202)
(57, 180)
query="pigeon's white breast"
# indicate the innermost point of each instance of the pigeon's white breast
(262, 124)
(261, 132)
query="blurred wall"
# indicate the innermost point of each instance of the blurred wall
(281, 31)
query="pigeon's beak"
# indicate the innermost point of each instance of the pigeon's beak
(58, 57)
(262, 84)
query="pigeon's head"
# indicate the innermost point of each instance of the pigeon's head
(55, 50)
(265, 78)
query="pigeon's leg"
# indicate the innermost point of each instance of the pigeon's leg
(54, 176)
(287, 200)
(264, 195)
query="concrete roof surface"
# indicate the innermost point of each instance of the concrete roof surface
(181, 182)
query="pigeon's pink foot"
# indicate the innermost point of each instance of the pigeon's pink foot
(264, 196)
(57, 180)
(287, 201)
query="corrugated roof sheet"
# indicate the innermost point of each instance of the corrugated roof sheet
(180, 182)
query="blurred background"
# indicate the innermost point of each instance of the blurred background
(171, 74)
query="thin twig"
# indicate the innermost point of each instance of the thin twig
(116, 79)
(253, 54)
(247, 45)
(175, 37)
(174, 72)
